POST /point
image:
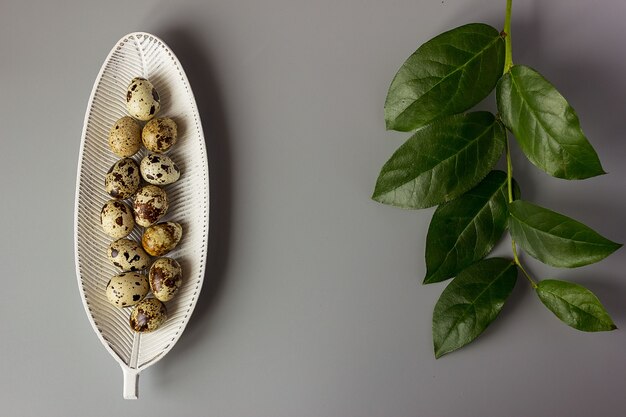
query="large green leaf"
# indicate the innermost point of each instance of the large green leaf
(465, 230)
(555, 239)
(471, 302)
(575, 305)
(447, 75)
(441, 161)
(545, 125)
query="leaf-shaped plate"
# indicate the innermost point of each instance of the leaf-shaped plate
(140, 55)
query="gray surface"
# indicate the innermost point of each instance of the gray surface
(312, 304)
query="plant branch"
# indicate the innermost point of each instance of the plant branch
(509, 181)
(509, 170)
(508, 54)
(519, 265)
(508, 63)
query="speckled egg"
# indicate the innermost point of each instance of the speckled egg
(148, 315)
(142, 99)
(165, 278)
(127, 289)
(125, 137)
(158, 135)
(128, 255)
(150, 204)
(161, 238)
(159, 169)
(122, 180)
(116, 219)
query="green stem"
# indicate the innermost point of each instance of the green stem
(509, 170)
(508, 54)
(508, 63)
(519, 265)
(509, 183)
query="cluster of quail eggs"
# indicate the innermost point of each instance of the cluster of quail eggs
(137, 198)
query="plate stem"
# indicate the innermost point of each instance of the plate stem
(131, 380)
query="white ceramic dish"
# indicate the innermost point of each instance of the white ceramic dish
(144, 55)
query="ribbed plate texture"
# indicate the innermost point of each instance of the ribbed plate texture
(144, 55)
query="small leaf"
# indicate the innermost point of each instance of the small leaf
(471, 302)
(575, 306)
(465, 230)
(545, 125)
(447, 75)
(555, 239)
(441, 161)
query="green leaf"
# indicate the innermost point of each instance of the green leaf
(555, 239)
(471, 302)
(465, 230)
(447, 75)
(441, 161)
(575, 306)
(545, 125)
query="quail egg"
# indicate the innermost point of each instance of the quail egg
(159, 134)
(128, 255)
(122, 179)
(127, 289)
(148, 315)
(161, 238)
(142, 99)
(125, 137)
(150, 204)
(159, 169)
(116, 219)
(165, 278)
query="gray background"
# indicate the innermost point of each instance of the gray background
(312, 303)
